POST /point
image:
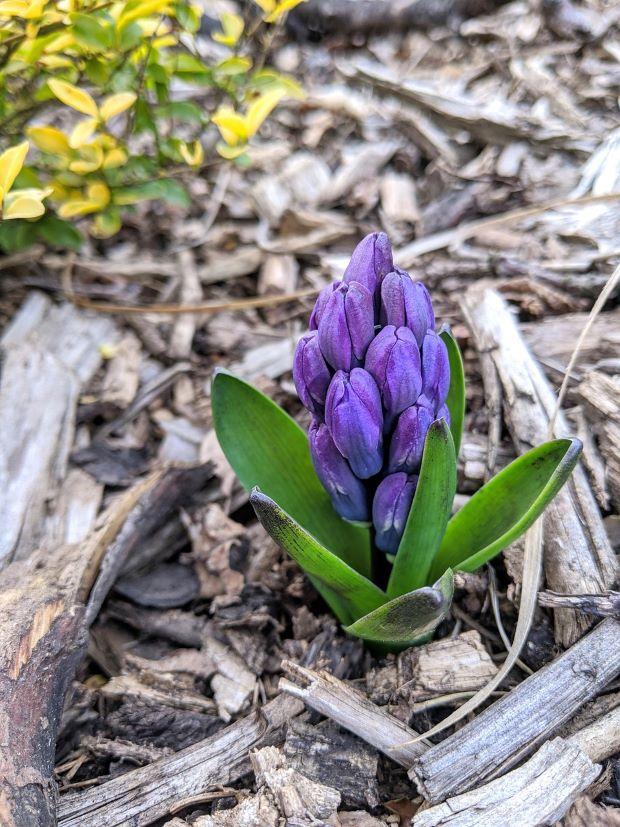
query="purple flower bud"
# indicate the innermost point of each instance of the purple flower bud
(407, 443)
(355, 421)
(310, 373)
(406, 303)
(371, 261)
(347, 492)
(393, 360)
(319, 305)
(347, 325)
(444, 413)
(390, 509)
(435, 371)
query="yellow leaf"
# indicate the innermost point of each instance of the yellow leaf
(11, 162)
(48, 139)
(232, 126)
(62, 41)
(266, 5)
(230, 152)
(281, 9)
(26, 203)
(91, 158)
(193, 157)
(56, 62)
(22, 9)
(14, 8)
(116, 104)
(165, 41)
(260, 109)
(232, 29)
(76, 98)
(145, 9)
(82, 132)
(115, 158)
(97, 197)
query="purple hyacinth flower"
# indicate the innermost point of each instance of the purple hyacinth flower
(407, 443)
(310, 373)
(406, 303)
(347, 492)
(444, 413)
(319, 305)
(370, 262)
(355, 420)
(390, 509)
(435, 371)
(393, 360)
(347, 325)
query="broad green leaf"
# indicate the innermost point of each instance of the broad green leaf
(429, 514)
(166, 189)
(506, 506)
(90, 31)
(456, 393)
(268, 449)
(404, 620)
(355, 595)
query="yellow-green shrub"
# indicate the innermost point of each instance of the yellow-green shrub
(87, 86)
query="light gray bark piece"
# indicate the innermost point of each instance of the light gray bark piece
(353, 711)
(146, 794)
(511, 728)
(578, 555)
(538, 792)
(49, 352)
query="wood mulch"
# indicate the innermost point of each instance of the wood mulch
(161, 660)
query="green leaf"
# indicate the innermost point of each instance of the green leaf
(456, 393)
(268, 449)
(59, 233)
(506, 506)
(166, 189)
(184, 111)
(429, 514)
(17, 234)
(404, 620)
(91, 32)
(355, 595)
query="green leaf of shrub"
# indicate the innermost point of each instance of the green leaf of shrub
(355, 595)
(403, 621)
(456, 394)
(429, 515)
(268, 449)
(506, 506)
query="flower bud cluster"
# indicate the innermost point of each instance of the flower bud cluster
(374, 374)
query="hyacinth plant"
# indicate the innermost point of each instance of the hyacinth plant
(363, 502)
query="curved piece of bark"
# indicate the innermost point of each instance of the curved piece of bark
(578, 556)
(43, 633)
(512, 727)
(327, 17)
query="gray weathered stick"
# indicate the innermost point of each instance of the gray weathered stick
(513, 726)
(146, 794)
(538, 792)
(578, 556)
(349, 708)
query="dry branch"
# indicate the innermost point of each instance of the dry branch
(143, 795)
(539, 792)
(42, 636)
(578, 555)
(513, 726)
(350, 709)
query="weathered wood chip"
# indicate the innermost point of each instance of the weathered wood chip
(167, 586)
